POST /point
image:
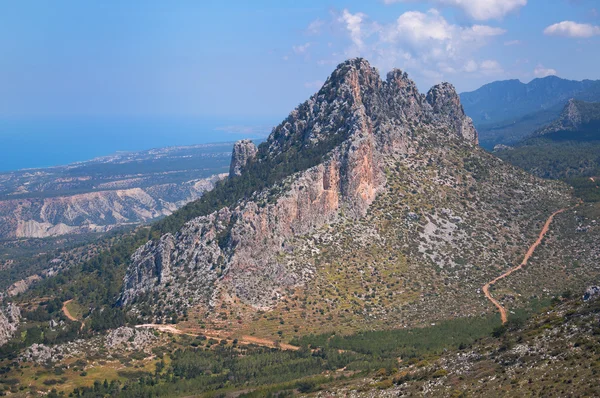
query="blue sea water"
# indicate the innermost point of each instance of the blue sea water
(37, 143)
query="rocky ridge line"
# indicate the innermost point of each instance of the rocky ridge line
(232, 253)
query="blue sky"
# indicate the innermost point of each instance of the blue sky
(259, 59)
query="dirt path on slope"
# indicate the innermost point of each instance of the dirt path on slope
(486, 287)
(65, 311)
(245, 340)
(68, 314)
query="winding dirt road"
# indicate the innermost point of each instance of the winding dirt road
(486, 287)
(245, 340)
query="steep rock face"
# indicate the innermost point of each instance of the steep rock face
(243, 152)
(9, 320)
(236, 252)
(446, 105)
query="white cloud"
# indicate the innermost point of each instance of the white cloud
(512, 42)
(429, 37)
(491, 67)
(353, 23)
(488, 67)
(431, 28)
(541, 71)
(478, 9)
(314, 28)
(301, 49)
(471, 66)
(424, 43)
(572, 29)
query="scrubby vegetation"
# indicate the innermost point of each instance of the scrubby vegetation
(556, 353)
(191, 365)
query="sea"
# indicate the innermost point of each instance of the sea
(37, 143)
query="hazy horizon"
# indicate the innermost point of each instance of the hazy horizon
(49, 142)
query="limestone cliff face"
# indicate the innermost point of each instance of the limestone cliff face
(9, 320)
(446, 105)
(243, 152)
(236, 252)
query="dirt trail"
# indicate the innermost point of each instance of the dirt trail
(245, 340)
(486, 287)
(68, 314)
(65, 310)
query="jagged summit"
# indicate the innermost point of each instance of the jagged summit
(325, 162)
(445, 102)
(355, 93)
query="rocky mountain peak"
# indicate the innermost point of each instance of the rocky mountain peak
(445, 102)
(354, 69)
(400, 80)
(331, 154)
(243, 152)
(444, 99)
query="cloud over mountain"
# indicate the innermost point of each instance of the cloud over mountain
(480, 10)
(425, 43)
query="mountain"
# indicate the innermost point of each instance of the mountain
(101, 194)
(566, 147)
(368, 236)
(579, 121)
(506, 111)
(390, 222)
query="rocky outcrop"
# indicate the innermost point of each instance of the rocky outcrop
(235, 253)
(446, 106)
(243, 152)
(129, 339)
(10, 317)
(116, 342)
(577, 116)
(591, 293)
(502, 147)
(22, 285)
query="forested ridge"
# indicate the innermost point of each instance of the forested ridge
(565, 149)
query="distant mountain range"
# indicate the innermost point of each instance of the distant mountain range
(567, 148)
(504, 112)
